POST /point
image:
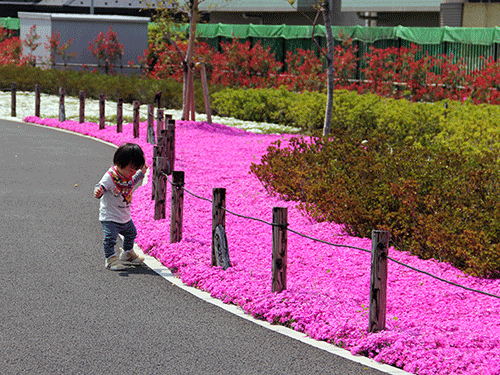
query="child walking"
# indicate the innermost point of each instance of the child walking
(115, 193)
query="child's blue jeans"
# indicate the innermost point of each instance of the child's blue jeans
(112, 230)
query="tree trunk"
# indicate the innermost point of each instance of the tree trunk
(329, 67)
(188, 86)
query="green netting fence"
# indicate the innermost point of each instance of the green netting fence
(10, 23)
(467, 43)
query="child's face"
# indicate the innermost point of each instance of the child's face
(127, 171)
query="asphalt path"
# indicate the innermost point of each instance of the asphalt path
(62, 312)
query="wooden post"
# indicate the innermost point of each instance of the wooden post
(38, 90)
(158, 99)
(162, 144)
(102, 108)
(279, 248)
(119, 115)
(62, 111)
(378, 280)
(159, 122)
(206, 96)
(13, 92)
(156, 153)
(218, 217)
(81, 118)
(191, 100)
(176, 206)
(170, 145)
(136, 118)
(161, 188)
(151, 130)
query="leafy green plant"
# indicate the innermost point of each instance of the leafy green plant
(437, 203)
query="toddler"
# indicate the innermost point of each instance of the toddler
(115, 194)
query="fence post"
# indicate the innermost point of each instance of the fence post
(119, 115)
(81, 118)
(159, 121)
(158, 99)
(378, 280)
(161, 188)
(102, 109)
(136, 118)
(156, 153)
(176, 206)
(206, 95)
(62, 111)
(151, 130)
(279, 248)
(218, 217)
(13, 92)
(38, 90)
(170, 144)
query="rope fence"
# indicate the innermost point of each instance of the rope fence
(379, 251)
(164, 166)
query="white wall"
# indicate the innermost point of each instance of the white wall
(132, 32)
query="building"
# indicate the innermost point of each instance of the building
(266, 12)
(411, 13)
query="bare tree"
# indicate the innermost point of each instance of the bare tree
(323, 7)
(166, 16)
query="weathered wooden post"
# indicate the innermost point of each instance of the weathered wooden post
(161, 188)
(192, 98)
(156, 153)
(206, 95)
(159, 122)
(170, 144)
(280, 235)
(119, 115)
(102, 109)
(151, 130)
(378, 280)
(218, 218)
(13, 93)
(136, 107)
(162, 145)
(81, 117)
(157, 99)
(62, 110)
(38, 90)
(176, 206)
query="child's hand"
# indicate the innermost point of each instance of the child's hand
(98, 192)
(144, 168)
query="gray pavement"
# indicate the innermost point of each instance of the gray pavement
(62, 312)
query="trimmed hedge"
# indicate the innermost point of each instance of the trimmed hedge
(128, 87)
(437, 203)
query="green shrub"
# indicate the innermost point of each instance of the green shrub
(436, 203)
(270, 105)
(128, 87)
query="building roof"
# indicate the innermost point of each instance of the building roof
(205, 5)
(391, 5)
(248, 6)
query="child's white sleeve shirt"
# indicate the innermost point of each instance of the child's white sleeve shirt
(113, 205)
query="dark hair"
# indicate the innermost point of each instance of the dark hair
(129, 153)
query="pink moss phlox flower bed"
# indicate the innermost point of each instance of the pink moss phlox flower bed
(432, 327)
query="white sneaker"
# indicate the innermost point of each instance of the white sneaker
(131, 258)
(113, 263)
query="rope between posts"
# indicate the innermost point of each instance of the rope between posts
(443, 280)
(337, 245)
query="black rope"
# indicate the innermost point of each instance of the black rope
(443, 280)
(250, 218)
(329, 243)
(339, 245)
